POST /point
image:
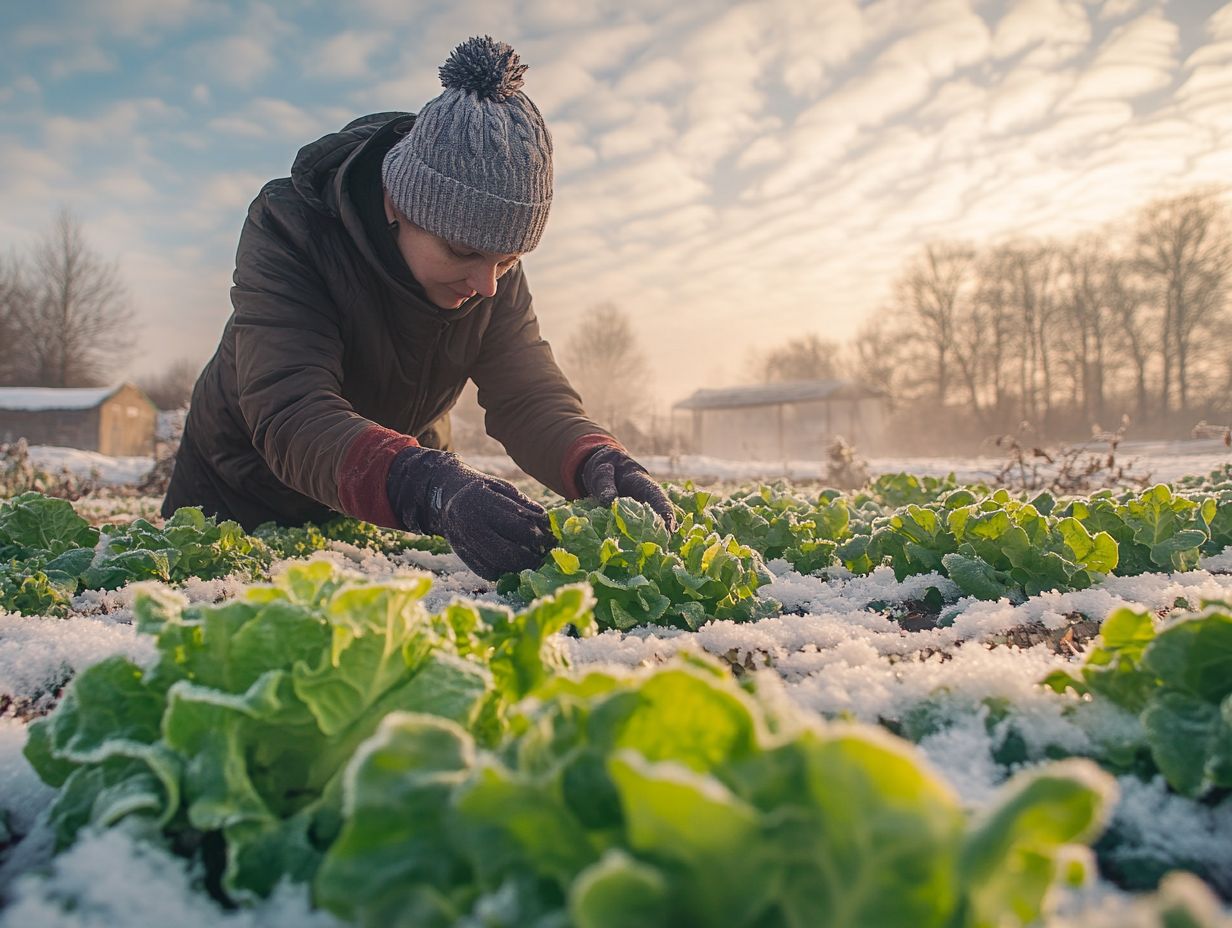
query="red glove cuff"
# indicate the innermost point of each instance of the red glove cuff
(570, 468)
(361, 482)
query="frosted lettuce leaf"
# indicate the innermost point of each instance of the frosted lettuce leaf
(1177, 680)
(720, 825)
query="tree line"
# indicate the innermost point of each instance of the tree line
(1129, 323)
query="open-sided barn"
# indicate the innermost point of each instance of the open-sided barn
(793, 420)
(118, 421)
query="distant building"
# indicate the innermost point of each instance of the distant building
(117, 421)
(794, 420)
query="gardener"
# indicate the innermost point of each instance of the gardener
(369, 286)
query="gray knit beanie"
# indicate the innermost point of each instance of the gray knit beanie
(476, 167)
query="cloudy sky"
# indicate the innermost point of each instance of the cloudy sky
(731, 173)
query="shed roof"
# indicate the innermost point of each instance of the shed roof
(776, 394)
(39, 399)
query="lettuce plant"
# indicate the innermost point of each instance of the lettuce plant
(1177, 680)
(52, 553)
(34, 525)
(661, 798)
(1009, 548)
(991, 548)
(42, 586)
(301, 541)
(773, 522)
(188, 545)
(1156, 530)
(901, 489)
(641, 573)
(237, 735)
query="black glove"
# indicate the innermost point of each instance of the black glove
(609, 473)
(487, 522)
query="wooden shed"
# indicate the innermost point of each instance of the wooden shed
(117, 421)
(793, 420)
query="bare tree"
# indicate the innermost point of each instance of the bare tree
(14, 295)
(78, 323)
(929, 295)
(1184, 247)
(172, 387)
(1086, 318)
(1028, 270)
(873, 356)
(808, 357)
(605, 363)
(1130, 306)
(991, 336)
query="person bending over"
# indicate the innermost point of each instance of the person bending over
(369, 286)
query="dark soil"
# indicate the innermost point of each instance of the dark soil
(752, 660)
(1071, 640)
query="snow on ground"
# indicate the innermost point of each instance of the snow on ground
(25, 795)
(38, 655)
(837, 625)
(99, 509)
(85, 463)
(112, 878)
(1159, 825)
(1163, 460)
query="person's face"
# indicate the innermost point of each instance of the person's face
(449, 272)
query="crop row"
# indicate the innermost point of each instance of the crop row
(989, 543)
(49, 553)
(416, 768)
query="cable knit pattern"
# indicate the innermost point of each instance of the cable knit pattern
(575, 456)
(476, 167)
(361, 481)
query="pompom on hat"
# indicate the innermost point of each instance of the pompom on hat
(476, 167)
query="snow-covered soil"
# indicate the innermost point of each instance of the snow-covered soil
(100, 509)
(88, 464)
(1161, 460)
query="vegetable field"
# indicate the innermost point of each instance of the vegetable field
(918, 704)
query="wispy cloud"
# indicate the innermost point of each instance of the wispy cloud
(1205, 94)
(348, 55)
(234, 60)
(270, 118)
(140, 17)
(1055, 30)
(1139, 57)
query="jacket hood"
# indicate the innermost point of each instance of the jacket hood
(316, 173)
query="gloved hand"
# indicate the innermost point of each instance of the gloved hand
(492, 527)
(609, 473)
